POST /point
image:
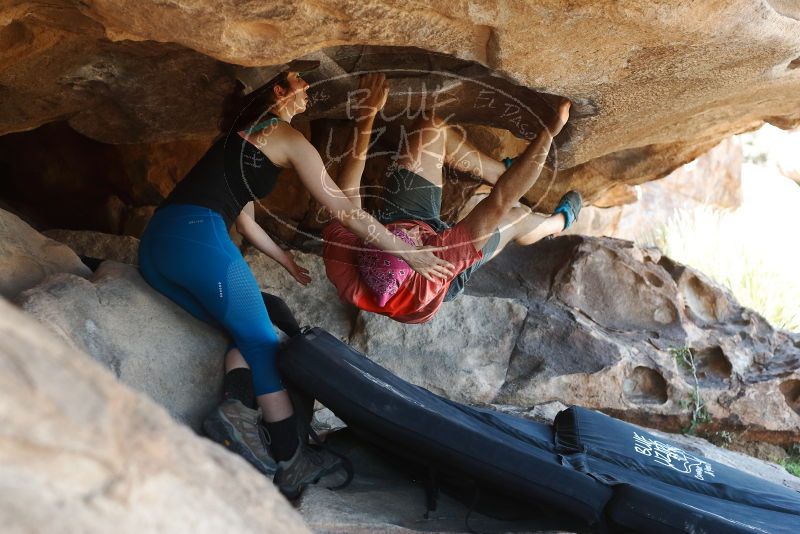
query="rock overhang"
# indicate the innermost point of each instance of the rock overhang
(658, 85)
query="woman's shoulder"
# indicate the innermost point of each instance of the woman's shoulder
(270, 131)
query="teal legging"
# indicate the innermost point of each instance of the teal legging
(186, 254)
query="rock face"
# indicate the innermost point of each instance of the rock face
(146, 340)
(574, 320)
(316, 304)
(27, 257)
(459, 353)
(713, 180)
(627, 331)
(83, 453)
(132, 72)
(120, 248)
(596, 322)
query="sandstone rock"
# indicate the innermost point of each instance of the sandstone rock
(713, 179)
(325, 421)
(151, 170)
(597, 222)
(111, 215)
(120, 248)
(619, 195)
(127, 72)
(146, 340)
(606, 328)
(136, 220)
(618, 290)
(27, 257)
(118, 92)
(541, 413)
(316, 304)
(83, 453)
(462, 353)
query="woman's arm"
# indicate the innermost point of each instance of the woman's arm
(256, 236)
(309, 166)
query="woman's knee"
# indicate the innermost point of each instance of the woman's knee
(256, 335)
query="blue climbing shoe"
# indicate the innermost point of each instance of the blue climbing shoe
(570, 206)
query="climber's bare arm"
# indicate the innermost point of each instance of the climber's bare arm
(286, 147)
(256, 236)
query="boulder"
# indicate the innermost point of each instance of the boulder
(119, 248)
(27, 257)
(627, 331)
(83, 453)
(133, 72)
(117, 92)
(713, 180)
(462, 353)
(111, 215)
(147, 341)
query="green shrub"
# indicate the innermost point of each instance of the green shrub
(793, 466)
(740, 253)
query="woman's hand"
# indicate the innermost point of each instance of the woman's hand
(428, 264)
(299, 273)
(374, 91)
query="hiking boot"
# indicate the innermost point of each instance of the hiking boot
(570, 206)
(306, 467)
(238, 428)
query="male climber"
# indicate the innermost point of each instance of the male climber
(379, 282)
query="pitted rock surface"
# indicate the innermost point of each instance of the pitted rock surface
(593, 338)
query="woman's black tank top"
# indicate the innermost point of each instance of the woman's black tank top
(229, 175)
